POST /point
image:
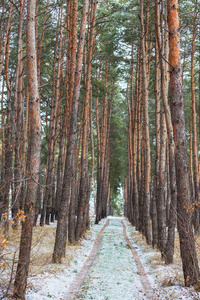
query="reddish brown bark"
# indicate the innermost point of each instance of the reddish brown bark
(130, 155)
(135, 145)
(157, 162)
(39, 52)
(98, 147)
(187, 244)
(6, 168)
(194, 131)
(161, 207)
(84, 180)
(33, 156)
(53, 134)
(69, 173)
(51, 138)
(147, 173)
(102, 153)
(93, 155)
(18, 117)
(162, 40)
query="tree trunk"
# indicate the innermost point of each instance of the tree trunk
(187, 244)
(130, 157)
(93, 156)
(102, 152)
(84, 153)
(146, 131)
(7, 167)
(39, 52)
(69, 173)
(33, 156)
(163, 50)
(60, 167)
(194, 131)
(50, 138)
(98, 199)
(135, 144)
(161, 208)
(18, 117)
(157, 162)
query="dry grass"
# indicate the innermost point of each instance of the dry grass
(157, 263)
(41, 254)
(42, 249)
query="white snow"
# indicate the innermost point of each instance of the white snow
(167, 280)
(113, 275)
(55, 283)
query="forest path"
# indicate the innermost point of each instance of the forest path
(111, 262)
(116, 271)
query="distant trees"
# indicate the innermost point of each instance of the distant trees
(170, 188)
(103, 133)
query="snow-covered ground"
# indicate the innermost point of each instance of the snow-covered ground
(55, 281)
(114, 274)
(167, 280)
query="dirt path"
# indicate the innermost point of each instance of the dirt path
(111, 263)
(140, 268)
(113, 269)
(76, 284)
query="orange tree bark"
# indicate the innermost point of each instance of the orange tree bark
(107, 160)
(55, 104)
(50, 138)
(4, 37)
(142, 178)
(2, 141)
(71, 68)
(138, 138)
(157, 161)
(92, 152)
(163, 50)
(7, 167)
(102, 151)
(18, 116)
(104, 132)
(187, 244)
(39, 52)
(2, 83)
(161, 207)
(194, 130)
(199, 117)
(131, 135)
(71, 56)
(68, 62)
(199, 97)
(98, 148)
(134, 144)
(60, 166)
(130, 156)
(61, 231)
(33, 156)
(84, 180)
(146, 204)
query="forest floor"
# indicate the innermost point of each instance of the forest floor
(111, 262)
